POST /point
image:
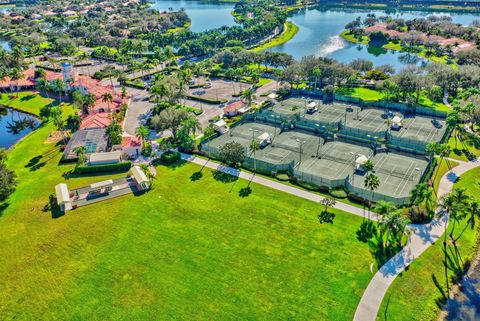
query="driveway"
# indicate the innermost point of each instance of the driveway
(138, 110)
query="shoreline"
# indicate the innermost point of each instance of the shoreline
(289, 31)
(392, 46)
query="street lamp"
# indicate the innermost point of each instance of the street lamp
(300, 142)
(254, 147)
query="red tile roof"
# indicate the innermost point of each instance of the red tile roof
(99, 120)
(234, 106)
(130, 141)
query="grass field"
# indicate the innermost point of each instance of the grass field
(185, 250)
(28, 101)
(414, 295)
(291, 30)
(364, 40)
(367, 94)
(461, 148)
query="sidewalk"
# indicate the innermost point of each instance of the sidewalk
(421, 237)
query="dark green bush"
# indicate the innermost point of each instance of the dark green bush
(338, 193)
(118, 167)
(170, 157)
(282, 177)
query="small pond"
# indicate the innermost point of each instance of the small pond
(14, 125)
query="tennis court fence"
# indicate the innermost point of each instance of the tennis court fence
(406, 144)
(375, 195)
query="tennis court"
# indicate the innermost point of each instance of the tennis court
(421, 128)
(371, 119)
(398, 174)
(335, 163)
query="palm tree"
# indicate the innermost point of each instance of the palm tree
(384, 207)
(472, 214)
(392, 225)
(81, 152)
(371, 182)
(142, 133)
(107, 98)
(114, 133)
(248, 96)
(422, 192)
(15, 75)
(89, 101)
(445, 205)
(254, 146)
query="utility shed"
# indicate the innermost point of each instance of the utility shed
(140, 177)
(63, 197)
(105, 158)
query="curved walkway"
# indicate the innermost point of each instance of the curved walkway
(421, 237)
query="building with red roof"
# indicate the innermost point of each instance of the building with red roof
(99, 120)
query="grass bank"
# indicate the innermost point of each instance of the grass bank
(290, 30)
(368, 94)
(416, 294)
(364, 40)
(192, 248)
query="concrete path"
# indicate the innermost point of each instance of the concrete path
(421, 237)
(276, 185)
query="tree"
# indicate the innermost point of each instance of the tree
(371, 182)
(248, 96)
(7, 177)
(89, 101)
(169, 118)
(232, 153)
(142, 133)
(392, 226)
(325, 215)
(81, 152)
(107, 98)
(422, 193)
(114, 133)
(73, 122)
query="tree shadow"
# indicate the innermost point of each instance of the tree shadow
(245, 191)
(224, 177)
(52, 207)
(33, 161)
(196, 176)
(28, 97)
(366, 231)
(381, 251)
(3, 207)
(326, 217)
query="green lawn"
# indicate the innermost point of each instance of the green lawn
(291, 30)
(413, 295)
(364, 40)
(368, 94)
(461, 148)
(185, 250)
(28, 101)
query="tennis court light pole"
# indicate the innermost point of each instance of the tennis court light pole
(254, 148)
(300, 142)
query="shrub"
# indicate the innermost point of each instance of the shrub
(307, 185)
(170, 157)
(118, 167)
(338, 193)
(282, 177)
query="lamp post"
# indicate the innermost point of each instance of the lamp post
(300, 142)
(254, 147)
(355, 155)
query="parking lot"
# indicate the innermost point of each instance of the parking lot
(219, 90)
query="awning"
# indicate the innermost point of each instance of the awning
(397, 120)
(312, 104)
(139, 175)
(272, 96)
(220, 123)
(63, 196)
(101, 184)
(362, 159)
(263, 137)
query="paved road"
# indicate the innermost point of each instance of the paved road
(421, 237)
(265, 89)
(138, 110)
(276, 185)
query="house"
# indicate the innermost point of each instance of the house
(220, 126)
(131, 146)
(99, 120)
(95, 140)
(26, 82)
(233, 109)
(69, 13)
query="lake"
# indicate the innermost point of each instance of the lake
(14, 125)
(320, 27)
(204, 16)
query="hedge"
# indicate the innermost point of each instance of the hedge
(206, 100)
(170, 157)
(118, 167)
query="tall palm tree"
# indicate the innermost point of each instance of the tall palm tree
(372, 182)
(142, 133)
(392, 225)
(89, 101)
(107, 98)
(445, 205)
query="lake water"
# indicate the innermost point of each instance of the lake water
(13, 126)
(204, 16)
(320, 27)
